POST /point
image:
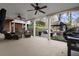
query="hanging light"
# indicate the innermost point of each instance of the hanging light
(19, 16)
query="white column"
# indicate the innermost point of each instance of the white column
(34, 28)
(22, 30)
(10, 26)
(13, 26)
(49, 28)
(26, 26)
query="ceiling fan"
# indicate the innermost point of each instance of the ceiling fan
(37, 8)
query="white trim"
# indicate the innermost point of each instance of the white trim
(19, 21)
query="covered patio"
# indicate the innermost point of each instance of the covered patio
(35, 45)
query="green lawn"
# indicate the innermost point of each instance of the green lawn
(58, 38)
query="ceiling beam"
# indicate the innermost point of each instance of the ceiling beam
(71, 9)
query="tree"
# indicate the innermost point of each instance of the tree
(69, 14)
(77, 20)
(40, 24)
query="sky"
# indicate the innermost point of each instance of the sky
(75, 15)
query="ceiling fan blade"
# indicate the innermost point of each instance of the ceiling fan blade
(33, 5)
(43, 7)
(36, 12)
(30, 10)
(36, 4)
(42, 11)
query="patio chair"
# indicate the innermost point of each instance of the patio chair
(10, 36)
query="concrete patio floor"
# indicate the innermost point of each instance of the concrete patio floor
(34, 46)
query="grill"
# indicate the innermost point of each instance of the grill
(72, 37)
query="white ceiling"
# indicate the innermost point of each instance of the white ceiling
(14, 8)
